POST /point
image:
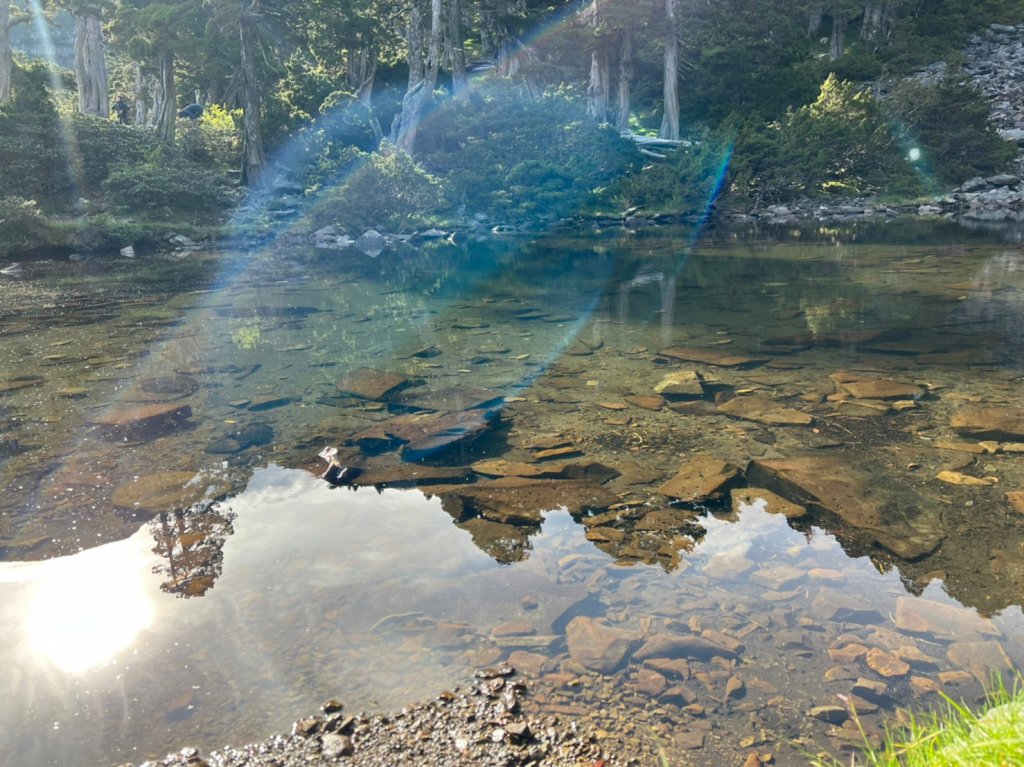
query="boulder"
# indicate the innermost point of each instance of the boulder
(712, 357)
(144, 422)
(832, 485)
(597, 646)
(982, 422)
(702, 478)
(372, 384)
(670, 644)
(521, 501)
(371, 242)
(684, 384)
(762, 409)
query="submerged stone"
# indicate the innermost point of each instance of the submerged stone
(702, 478)
(669, 644)
(773, 504)
(372, 384)
(761, 409)
(681, 383)
(877, 388)
(832, 485)
(712, 357)
(597, 646)
(147, 421)
(168, 491)
(452, 399)
(999, 423)
(517, 500)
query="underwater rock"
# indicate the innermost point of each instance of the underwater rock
(168, 491)
(145, 422)
(876, 388)
(516, 500)
(451, 399)
(773, 504)
(597, 646)
(681, 383)
(761, 409)
(670, 644)
(702, 478)
(712, 357)
(833, 485)
(999, 423)
(372, 384)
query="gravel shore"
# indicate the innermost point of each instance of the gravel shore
(481, 726)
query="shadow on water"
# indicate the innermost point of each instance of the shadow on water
(775, 461)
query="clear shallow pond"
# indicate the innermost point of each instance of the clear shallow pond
(140, 616)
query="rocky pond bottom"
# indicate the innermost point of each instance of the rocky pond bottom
(709, 501)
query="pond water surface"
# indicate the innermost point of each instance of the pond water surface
(707, 497)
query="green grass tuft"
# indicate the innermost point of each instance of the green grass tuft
(953, 736)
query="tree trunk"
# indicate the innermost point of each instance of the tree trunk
(253, 160)
(140, 97)
(670, 119)
(456, 49)
(838, 38)
(156, 91)
(814, 20)
(420, 93)
(599, 89)
(362, 71)
(623, 95)
(6, 61)
(871, 24)
(167, 111)
(90, 69)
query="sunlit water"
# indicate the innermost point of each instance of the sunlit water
(141, 615)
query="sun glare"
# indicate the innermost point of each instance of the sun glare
(89, 607)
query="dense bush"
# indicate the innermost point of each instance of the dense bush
(34, 160)
(508, 155)
(164, 184)
(21, 224)
(214, 139)
(949, 123)
(687, 181)
(841, 144)
(388, 190)
(101, 145)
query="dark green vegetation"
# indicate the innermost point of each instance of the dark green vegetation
(371, 108)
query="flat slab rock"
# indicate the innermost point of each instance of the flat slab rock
(597, 646)
(876, 388)
(1000, 423)
(372, 384)
(452, 399)
(593, 471)
(701, 478)
(517, 500)
(834, 486)
(421, 434)
(144, 420)
(762, 409)
(167, 491)
(712, 357)
(772, 503)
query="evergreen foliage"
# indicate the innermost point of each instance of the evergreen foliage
(777, 92)
(389, 190)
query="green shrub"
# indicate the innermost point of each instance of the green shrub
(688, 181)
(949, 123)
(506, 154)
(21, 225)
(165, 184)
(102, 145)
(212, 140)
(389, 190)
(34, 157)
(841, 144)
